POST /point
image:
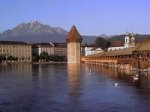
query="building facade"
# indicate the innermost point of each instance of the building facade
(59, 49)
(129, 42)
(38, 48)
(90, 49)
(20, 50)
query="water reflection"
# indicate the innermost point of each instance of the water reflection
(71, 88)
(74, 79)
(17, 68)
(15, 72)
(131, 78)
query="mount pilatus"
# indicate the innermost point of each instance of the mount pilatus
(34, 32)
(37, 32)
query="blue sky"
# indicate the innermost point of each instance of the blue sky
(91, 17)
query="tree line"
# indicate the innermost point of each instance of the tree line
(44, 56)
(102, 43)
(7, 58)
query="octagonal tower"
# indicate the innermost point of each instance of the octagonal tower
(74, 46)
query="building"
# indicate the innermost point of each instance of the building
(74, 46)
(129, 42)
(130, 58)
(38, 48)
(59, 49)
(90, 49)
(19, 50)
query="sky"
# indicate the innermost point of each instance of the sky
(91, 17)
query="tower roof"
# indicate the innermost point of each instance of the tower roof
(74, 36)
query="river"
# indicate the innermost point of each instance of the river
(71, 88)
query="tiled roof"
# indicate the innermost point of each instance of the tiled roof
(60, 44)
(117, 44)
(144, 45)
(13, 42)
(73, 36)
(115, 52)
(50, 44)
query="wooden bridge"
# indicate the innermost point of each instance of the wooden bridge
(131, 58)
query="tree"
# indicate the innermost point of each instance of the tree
(35, 57)
(102, 43)
(2, 58)
(44, 56)
(11, 58)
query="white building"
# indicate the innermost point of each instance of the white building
(91, 49)
(129, 41)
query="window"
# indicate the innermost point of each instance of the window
(126, 40)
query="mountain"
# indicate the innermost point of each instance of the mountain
(120, 38)
(37, 32)
(34, 32)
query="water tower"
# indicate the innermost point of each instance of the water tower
(74, 46)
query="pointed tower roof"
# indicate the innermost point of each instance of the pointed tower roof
(74, 36)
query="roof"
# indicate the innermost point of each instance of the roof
(74, 36)
(115, 52)
(95, 48)
(13, 42)
(117, 44)
(60, 44)
(43, 44)
(143, 46)
(50, 44)
(89, 45)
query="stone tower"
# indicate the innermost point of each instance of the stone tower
(74, 46)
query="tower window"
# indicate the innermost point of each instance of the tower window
(126, 40)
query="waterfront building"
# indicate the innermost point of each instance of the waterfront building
(129, 42)
(74, 46)
(59, 49)
(90, 50)
(38, 48)
(19, 50)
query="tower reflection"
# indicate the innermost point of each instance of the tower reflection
(74, 79)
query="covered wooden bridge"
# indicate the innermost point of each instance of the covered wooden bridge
(135, 57)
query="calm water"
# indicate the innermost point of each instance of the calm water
(70, 88)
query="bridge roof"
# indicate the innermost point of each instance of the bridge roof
(115, 53)
(142, 46)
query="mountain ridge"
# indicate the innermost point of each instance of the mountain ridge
(35, 31)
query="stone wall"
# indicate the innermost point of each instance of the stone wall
(74, 52)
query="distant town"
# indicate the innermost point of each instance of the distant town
(16, 51)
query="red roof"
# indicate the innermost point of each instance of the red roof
(74, 36)
(117, 44)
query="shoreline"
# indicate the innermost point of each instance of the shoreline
(49, 62)
(7, 63)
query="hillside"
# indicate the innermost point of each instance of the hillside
(120, 38)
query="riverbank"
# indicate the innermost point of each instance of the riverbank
(7, 63)
(49, 62)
